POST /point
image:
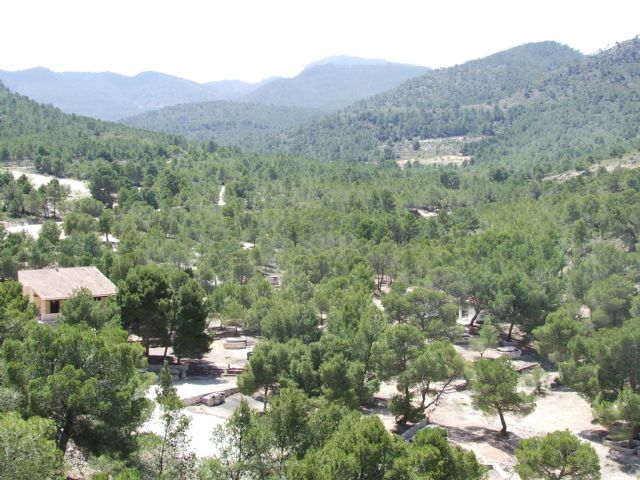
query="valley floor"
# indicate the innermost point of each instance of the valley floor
(556, 409)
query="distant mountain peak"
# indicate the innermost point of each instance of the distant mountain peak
(333, 83)
(346, 60)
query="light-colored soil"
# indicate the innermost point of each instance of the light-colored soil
(221, 201)
(433, 151)
(378, 303)
(440, 160)
(190, 387)
(229, 358)
(628, 162)
(204, 419)
(79, 188)
(466, 426)
(203, 422)
(555, 410)
(425, 213)
(33, 229)
(219, 355)
(30, 229)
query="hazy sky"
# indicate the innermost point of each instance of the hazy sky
(251, 40)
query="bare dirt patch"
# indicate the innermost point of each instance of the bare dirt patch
(32, 229)
(205, 419)
(78, 188)
(218, 355)
(203, 422)
(433, 151)
(627, 162)
(556, 409)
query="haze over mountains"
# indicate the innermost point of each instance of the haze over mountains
(56, 142)
(331, 83)
(447, 102)
(110, 96)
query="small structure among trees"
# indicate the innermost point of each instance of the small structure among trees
(48, 288)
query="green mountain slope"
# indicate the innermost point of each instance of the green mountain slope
(249, 125)
(255, 121)
(454, 101)
(588, 110)
(334, 85)
(110, 96)
(60, 143)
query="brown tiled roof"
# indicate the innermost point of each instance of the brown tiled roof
(60, 283)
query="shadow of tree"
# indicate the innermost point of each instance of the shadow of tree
(474, 434)
(593, 435)
(380, 406)
(629, 464)
(377, 406)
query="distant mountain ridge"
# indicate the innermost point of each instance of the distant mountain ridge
(328, 84)
(110, 96)
(61, 144)
(347, 60)
(279, 104)
(585, 111)
(476, 99)
(334, 83)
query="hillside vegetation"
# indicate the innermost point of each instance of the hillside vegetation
(255, 121)
(539, 101)
(329, 84)
(58, 143)
(589, 110)
(248, 125)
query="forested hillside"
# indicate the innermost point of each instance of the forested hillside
(588, 111)
(538, 101)
(59, 143)
(110, 96)
(249, 125)
(255, 121)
